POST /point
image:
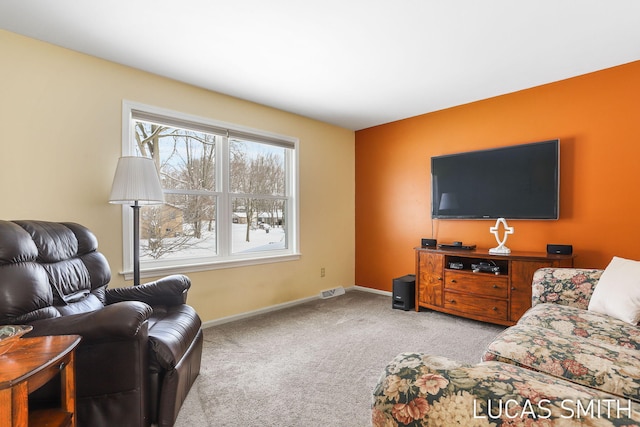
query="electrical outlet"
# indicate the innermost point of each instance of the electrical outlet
(322, 272)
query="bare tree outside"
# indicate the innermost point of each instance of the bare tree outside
(186, 224)
(186, 162)
(257, 169)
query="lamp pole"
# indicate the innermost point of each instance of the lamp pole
(136, 243)
(135, 183)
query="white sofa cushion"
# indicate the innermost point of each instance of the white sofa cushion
(617, 294)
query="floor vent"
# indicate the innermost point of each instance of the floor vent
(332, 292)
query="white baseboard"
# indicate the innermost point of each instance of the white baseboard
(281, 306)
(371, 290)
(257, 312)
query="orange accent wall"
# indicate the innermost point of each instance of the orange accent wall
(597, 119)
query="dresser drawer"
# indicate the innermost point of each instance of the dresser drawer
(477, 283)
(474, 305)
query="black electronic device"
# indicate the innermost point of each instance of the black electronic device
(404, 292)
(512, 182)
(456, 245)
(429, 243)
(486, 267)
(559, 249)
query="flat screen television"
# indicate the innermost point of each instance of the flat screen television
(513, 182)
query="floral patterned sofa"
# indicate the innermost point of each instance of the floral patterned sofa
(562, 364)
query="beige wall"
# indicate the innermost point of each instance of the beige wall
(60, 116)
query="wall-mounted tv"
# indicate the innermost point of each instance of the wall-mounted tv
(513, 182)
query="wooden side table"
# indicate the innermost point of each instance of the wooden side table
(27, 366)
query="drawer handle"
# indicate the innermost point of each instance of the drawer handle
(495, 286)
(452, 301)
(495, 308)
(454, 281)
(62, 365)
(513, 288)
(440, 278)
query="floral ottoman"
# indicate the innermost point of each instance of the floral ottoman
(423, 390)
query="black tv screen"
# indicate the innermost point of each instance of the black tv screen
(514, 182)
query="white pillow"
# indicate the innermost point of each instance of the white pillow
(617, 293)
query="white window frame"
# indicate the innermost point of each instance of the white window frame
(224, 258)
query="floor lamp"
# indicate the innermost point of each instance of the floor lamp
(137, 183)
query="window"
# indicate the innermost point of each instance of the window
(230, 193)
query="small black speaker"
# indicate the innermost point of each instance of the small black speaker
(429, 243)
(404, 292)
(559, 249)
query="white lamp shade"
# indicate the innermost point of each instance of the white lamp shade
(136, 180)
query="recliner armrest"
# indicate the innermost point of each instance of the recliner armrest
(170, 290)
(123, 320)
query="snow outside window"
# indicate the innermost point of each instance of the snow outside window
(230, 193)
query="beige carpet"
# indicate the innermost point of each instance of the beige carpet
(316, 364)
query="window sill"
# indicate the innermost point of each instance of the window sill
(192, 268)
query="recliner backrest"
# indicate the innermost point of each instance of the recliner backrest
(49, 269)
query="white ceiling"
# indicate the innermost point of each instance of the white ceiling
(353, 63)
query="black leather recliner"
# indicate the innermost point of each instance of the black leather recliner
(141, 346)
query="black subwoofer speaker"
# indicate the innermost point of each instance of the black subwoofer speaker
(404, 292)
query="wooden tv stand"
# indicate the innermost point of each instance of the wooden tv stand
(485, 296)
